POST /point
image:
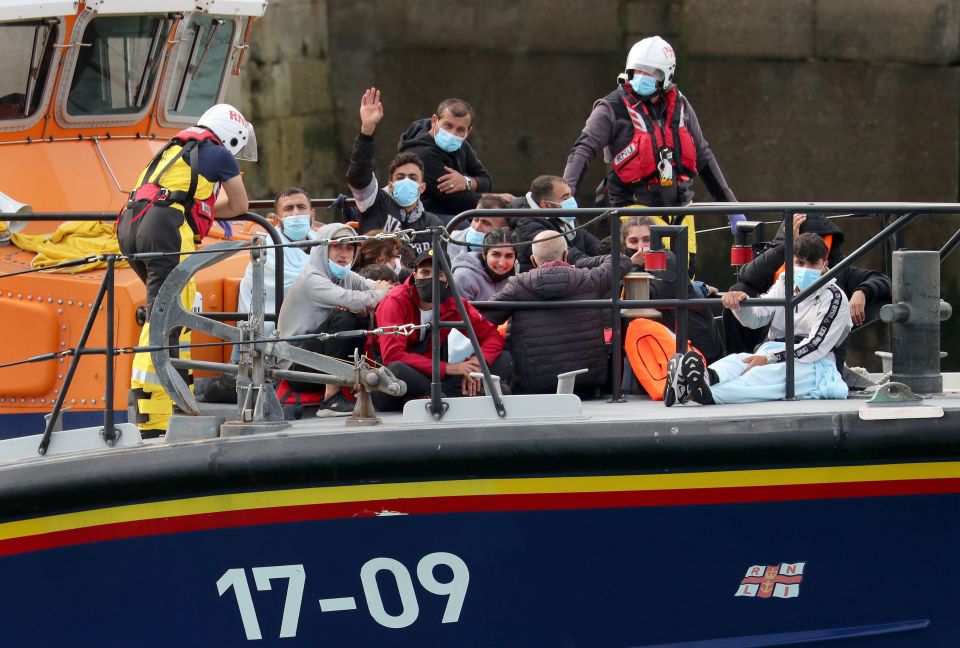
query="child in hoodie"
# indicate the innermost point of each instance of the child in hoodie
(821, 323)
(326, 298)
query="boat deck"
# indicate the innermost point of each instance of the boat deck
(640, 413)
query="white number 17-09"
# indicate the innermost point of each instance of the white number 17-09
(455, 590)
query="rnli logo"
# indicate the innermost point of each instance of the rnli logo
(625, 153)
(779, 581)
(237, 117)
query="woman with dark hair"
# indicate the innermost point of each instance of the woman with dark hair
(479, 275)
(384, 252)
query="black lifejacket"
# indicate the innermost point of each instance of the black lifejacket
(177, 182)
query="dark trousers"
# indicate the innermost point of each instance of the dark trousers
(418, 384)
(341, 348)
(157, 230)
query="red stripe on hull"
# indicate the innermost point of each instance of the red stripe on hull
(477, 503)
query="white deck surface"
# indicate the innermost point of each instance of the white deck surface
(635, 408)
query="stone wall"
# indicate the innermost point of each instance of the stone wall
(286, 91)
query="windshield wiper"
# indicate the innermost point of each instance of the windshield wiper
(216, 24)
(36, 61)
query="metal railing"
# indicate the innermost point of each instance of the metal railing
(108, 289)
(905, 213)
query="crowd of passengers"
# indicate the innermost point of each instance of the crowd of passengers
(351, 286)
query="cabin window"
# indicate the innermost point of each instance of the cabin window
(201, 64)
(26, 53)
(118, 63)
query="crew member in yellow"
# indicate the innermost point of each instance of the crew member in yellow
(193, 179)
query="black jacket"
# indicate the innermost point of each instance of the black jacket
(378, 210)
(758, 275)
(545, 343)
(584, 244)
(418, 140)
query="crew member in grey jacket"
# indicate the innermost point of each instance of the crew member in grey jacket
(326, 298)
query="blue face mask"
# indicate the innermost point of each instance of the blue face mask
(406, 192)
(447, 141)
(337, 271)
(569, 203)
(643, 85)
(804, 277)
(473, 237)
(296, 227)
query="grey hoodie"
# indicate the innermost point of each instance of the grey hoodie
(472, 280)
(315, 294)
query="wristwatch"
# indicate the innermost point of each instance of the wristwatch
(469, 183)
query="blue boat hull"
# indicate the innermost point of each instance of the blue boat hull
(588, 573)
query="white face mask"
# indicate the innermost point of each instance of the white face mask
(396, 265)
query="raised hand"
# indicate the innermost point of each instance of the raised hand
(371, 111)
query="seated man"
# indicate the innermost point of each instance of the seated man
(397, 206)
(866, 289)
(327, 298)
(552, 192)
(410, 358)
(822, 321)
(479, 227)
(453, 173)
(545, 343)
(293, 216)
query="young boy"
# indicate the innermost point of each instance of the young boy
(821, 322)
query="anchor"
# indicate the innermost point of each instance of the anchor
(259, 409)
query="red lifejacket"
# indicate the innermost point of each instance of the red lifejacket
(638, 160)
(199, 212)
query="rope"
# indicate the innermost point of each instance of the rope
(447, 237)
(403, 329)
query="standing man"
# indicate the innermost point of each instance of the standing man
(651, 138)
(398, 206)
(552, 192)
(193, 177)
(454, 175)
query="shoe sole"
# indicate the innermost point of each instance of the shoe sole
(672, 386)
(694, 373)
(327, 413)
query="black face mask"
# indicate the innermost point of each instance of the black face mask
(629, 252)
(425, 290)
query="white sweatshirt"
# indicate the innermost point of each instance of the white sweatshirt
(822, 320)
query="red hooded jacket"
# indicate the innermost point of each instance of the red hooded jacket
(402, 306)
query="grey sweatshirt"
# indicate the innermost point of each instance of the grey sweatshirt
(315, 294)
(472, 280)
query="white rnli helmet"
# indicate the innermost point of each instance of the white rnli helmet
(233, 131)
(653, 55)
